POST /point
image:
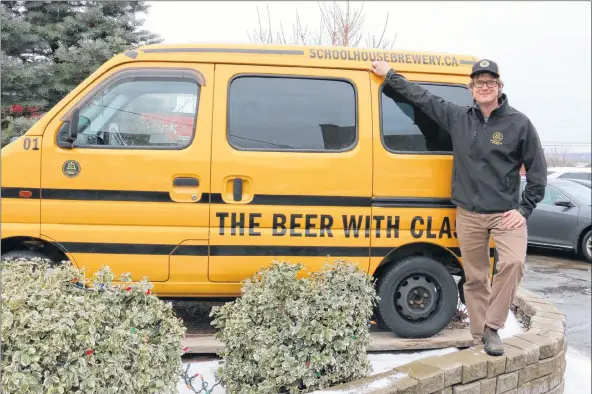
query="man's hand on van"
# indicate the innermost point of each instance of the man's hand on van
(380, 68)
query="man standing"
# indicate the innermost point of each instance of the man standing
(491, 141)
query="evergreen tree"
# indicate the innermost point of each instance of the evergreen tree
(49, 47)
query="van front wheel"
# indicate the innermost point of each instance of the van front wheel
(418, 297)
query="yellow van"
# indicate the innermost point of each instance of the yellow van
(197, 165)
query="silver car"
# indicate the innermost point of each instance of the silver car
(563, 219)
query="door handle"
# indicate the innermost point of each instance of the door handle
(237, 190)
(185, 189)
(185, 181)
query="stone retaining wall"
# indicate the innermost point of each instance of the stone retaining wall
(533, 362)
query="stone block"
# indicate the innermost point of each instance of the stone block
(546, 320)
(553, 326)
(447, 390)
(474, 364)
(406, 385)
(555, 379)
(540, 385)
(548, 346)
(532, 349)
(563, 367)
(549, 365)
(488, 386)
(507, 382)
(430, 378)
(523, 388)
(470, 388)
(551, 315)
(515, 358)
(452, 369)
(558, 389)
(527, 374)
(560, 337)
(513, 391)
(533, 309)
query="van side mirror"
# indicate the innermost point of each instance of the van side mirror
(73, 129)
(564, 203)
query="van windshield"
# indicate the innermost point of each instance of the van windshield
(406, 128)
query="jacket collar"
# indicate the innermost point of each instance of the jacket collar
(502, 107)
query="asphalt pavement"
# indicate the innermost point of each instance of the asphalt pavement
(565, 280)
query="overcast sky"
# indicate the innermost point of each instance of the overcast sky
(542, 48)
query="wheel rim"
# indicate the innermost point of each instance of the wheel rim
(417, 297)
(589, 246)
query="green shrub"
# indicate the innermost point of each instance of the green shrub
(291, 335)
(17, 127)
(59, 336)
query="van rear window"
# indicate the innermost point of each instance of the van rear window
(291, 114)
(405, 128)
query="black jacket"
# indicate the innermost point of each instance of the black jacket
(487, 156)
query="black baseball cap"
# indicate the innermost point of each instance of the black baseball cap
(485, 65)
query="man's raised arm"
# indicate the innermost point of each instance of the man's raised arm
(441, 111)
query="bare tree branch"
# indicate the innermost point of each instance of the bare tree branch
(338, 27)
(558, 158)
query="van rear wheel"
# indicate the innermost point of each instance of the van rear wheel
(418, 297)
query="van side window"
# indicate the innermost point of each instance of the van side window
(145, 111)
(291, 114)
(405, 128)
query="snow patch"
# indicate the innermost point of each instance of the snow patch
(511, 328)
(383, 362)
(369, 388)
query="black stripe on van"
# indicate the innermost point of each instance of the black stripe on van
(412, 202)
(304, 251)
(231, 250)
(14, 192)
(136, 249)
(216, 198)
(225, 50)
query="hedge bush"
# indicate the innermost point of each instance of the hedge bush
(295, 335)
(59, 336)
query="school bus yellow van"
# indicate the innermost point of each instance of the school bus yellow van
(197, 165)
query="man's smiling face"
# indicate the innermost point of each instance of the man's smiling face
(485, 88)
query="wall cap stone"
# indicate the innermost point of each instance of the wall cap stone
(533, 360)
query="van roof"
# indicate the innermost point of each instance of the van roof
(305, 56)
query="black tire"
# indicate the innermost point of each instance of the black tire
(586, 239)
(425, 284)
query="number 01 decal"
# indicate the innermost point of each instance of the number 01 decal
(31, 141)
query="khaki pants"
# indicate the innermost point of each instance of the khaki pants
(489, 304)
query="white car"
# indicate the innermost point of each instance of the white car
(569, 173)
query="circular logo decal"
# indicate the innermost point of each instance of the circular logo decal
(497, 136)
(71, 168)
(484, 63)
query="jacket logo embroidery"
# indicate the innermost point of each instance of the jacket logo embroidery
(497, 138)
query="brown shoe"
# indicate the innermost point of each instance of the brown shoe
(493, 343)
